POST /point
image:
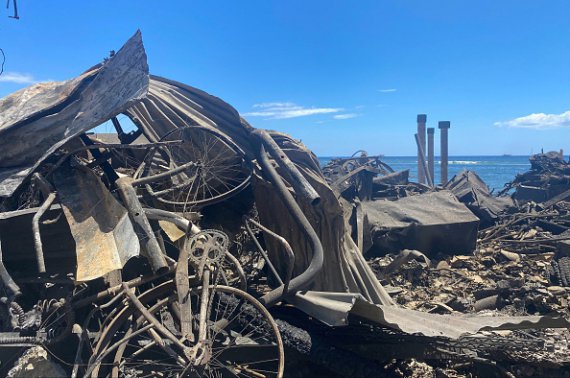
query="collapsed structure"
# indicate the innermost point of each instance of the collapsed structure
(180, 247)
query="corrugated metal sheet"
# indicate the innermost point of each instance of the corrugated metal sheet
(36, 121)
(335, 309)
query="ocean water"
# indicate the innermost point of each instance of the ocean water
(496, 171)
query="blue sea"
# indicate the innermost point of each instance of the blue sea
(496, 171)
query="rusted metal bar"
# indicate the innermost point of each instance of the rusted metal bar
(204, 300)
(264, 254)
(36, 229)
(423, 161)
(151, 319)
(430, 152)
(298, 181)
(125, 138)
(304, 279)
(443, 127)
(239, 270)
(163, 175)
(148, 241)
(11, 286)
(288, 251)
(95, 363)
(182, 290)
(107, 168)
(183, 223)
(135, 282)
(421, 119)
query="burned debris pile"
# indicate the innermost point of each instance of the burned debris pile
(197, 245)
(547, 180)
(509, 256)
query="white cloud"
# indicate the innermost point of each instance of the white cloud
(346, 116)
(388, 90)
(284, 110)
(17, 78)
(538, 121)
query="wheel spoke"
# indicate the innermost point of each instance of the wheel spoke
(242, 337)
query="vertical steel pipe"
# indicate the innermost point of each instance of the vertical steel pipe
(422, 157)
(430, 152)
(422, 118)
(37, 235)
(443, 127)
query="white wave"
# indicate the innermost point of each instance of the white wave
(461, 162)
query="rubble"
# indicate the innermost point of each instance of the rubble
(548, 177)
(198, 245)
(35, 363)
(474, 193)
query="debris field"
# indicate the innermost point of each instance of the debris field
(197, 245)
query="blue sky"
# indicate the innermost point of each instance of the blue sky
(339, 75)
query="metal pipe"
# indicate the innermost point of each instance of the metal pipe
(288, 250)
(203, 316)
(151, 319)
(163, 175)
(149, 244)
(304, 279)
(263, 253)
(421, 120)
(443, 127)
(239, 270)
(183, 223)
(135, 282)
(36, 229)
(298, 181)
(430, 152)
(423, 161)
(11, 286)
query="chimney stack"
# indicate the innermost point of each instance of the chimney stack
(422, 118)
(443, 127)
(430, 152)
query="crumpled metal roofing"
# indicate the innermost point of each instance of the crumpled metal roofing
(36, 121)
(335, 309)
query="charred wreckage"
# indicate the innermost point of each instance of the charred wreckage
(197, 245)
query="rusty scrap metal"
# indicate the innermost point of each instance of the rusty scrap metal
(422, 157)
(104, 236)
(23, 151)
(186, 301)
(37, 236)
(7, 279)
(299, 282)
(302, 187)
(149, 244)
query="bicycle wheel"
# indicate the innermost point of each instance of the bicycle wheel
(242, 340)
(220, 169)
